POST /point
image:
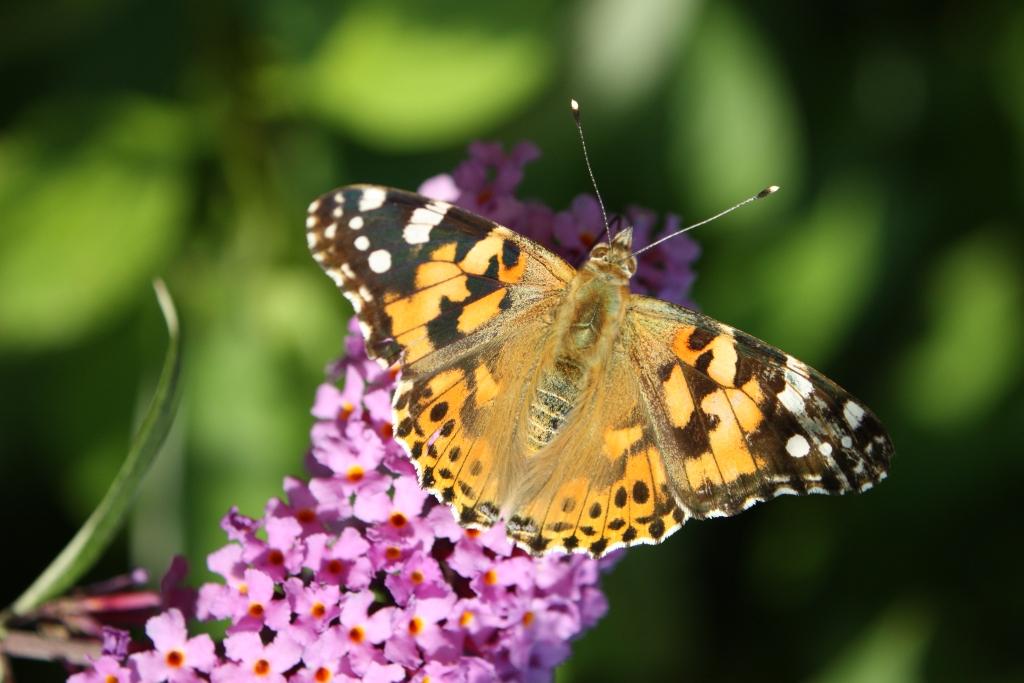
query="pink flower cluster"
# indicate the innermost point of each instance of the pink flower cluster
(359, 574)
(486, 183)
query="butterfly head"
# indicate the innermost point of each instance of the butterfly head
(614, 259)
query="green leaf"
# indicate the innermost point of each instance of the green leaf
(818, 275)
(736, 129)
(407, 75)
(968, 358)
(85, 223)
(95, 535)
(891, 651)
(610, 66)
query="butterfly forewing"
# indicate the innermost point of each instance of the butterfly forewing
(739, 421)
(425, 276)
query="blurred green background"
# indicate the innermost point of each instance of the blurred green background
(185, 139)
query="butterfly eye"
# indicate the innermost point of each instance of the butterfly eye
(600, 250)
(630, 265)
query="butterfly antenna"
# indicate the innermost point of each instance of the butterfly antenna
(760, 195)
(575, 106)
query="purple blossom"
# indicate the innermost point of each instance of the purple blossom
(175, 657)
(485, 184)
(357, 573)
(106, 669)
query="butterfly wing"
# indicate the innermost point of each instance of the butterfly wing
(463, 304)
(428, 280)
(602, 482)
(693, 419)
(738, 422)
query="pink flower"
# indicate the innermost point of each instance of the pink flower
(106, 669)
(251, 660)
(417, 629)
(314, 606)
(175, 657)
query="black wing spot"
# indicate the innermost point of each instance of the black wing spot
(640, 492)
(439, 410)
(704, 361)
(657, 528)
(620, 497)
(509, 253)
(700, 338)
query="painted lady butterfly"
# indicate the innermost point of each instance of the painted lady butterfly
(586, 417)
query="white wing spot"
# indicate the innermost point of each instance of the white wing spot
(310, 221)
(338, 211)
(796, 365)
(847, 442)
(825, 447)
(380, 261)
(372, 198)
(330, 231)
(362, 243)
(793, 402)
(422, 221)
(339, 198)
(417, 233)
(310, 240)
(335, 275)
(347, 271)
(356, 223)
(797, 446)
(853, 413)
(802, 385)
(365, 293)
(313, 206)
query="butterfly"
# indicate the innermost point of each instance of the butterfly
(583, 416)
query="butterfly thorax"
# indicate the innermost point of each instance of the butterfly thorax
(585, 327)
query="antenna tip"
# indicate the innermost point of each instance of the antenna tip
(772, 189)
(575, 106)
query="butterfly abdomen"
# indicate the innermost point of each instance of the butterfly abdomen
(584, 330)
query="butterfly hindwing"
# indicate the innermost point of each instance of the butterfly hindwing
(739, 421)
(606, 485)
